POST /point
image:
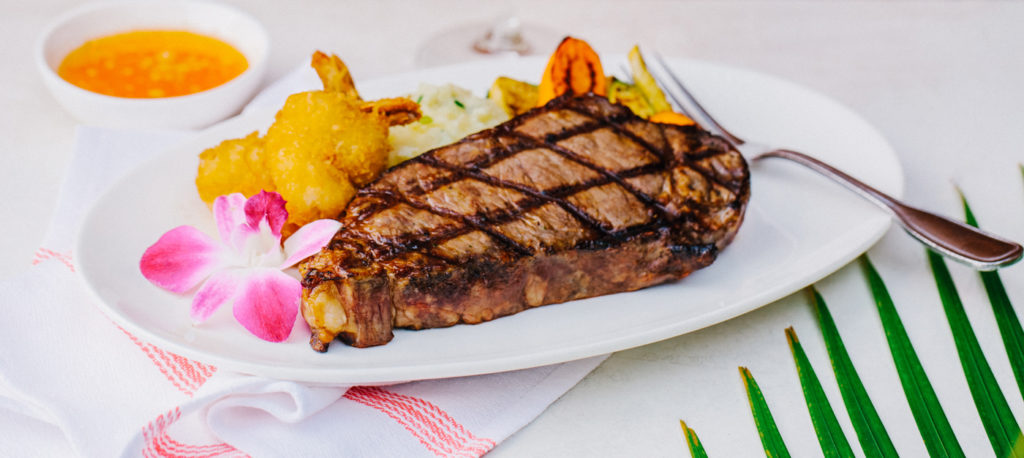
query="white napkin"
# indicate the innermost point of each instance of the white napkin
(70, 375)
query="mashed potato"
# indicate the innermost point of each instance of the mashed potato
(449, 113)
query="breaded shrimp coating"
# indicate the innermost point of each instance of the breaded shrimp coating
(320, 148)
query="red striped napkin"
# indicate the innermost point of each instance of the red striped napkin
(72, 380)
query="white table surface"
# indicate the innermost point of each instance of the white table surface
(944, 82)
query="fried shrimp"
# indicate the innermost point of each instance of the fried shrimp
(320, 148)
(397, 111)
(235, 165)
(334, 75)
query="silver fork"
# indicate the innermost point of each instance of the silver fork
(953, 239)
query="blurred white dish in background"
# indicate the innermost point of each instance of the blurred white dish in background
(201, 109)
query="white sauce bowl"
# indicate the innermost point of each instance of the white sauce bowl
(192, 111)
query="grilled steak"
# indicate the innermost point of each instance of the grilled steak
(576, 199)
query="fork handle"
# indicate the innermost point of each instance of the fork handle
(956, 240)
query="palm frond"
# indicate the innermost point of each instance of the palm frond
(830, 436)
(924, 404)
(1006, 317)
(1003, 430)
(692, 441)
(871, 433)
(771, 440)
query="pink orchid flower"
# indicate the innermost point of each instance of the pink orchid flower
(244, 267)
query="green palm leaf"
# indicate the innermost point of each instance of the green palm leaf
(692, 441)
(1003, 430)
(931, 420)
(1006, 317)
(770, 437)
(870, 431)
(830, 435)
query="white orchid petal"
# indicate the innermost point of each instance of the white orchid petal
(308, 240)
(229, 213)
(219, 289)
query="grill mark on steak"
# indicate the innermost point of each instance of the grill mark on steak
(556, 196)
(539, 197)
(705, 151)
(641, 192)
(471, 222)
(498, 154)
(608, 174)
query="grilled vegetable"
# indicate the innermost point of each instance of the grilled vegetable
(671, 117)
(646, 83)
(514, 96)
(573, 68)
(629, 95)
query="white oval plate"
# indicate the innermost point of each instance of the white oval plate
(799, 228)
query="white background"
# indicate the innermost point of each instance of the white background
(942, 82)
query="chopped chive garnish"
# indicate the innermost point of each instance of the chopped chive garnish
(460, 105)
(419, 99)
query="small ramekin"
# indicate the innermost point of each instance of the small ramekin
(192, 111)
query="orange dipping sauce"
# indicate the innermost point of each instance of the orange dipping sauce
(152, 64)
